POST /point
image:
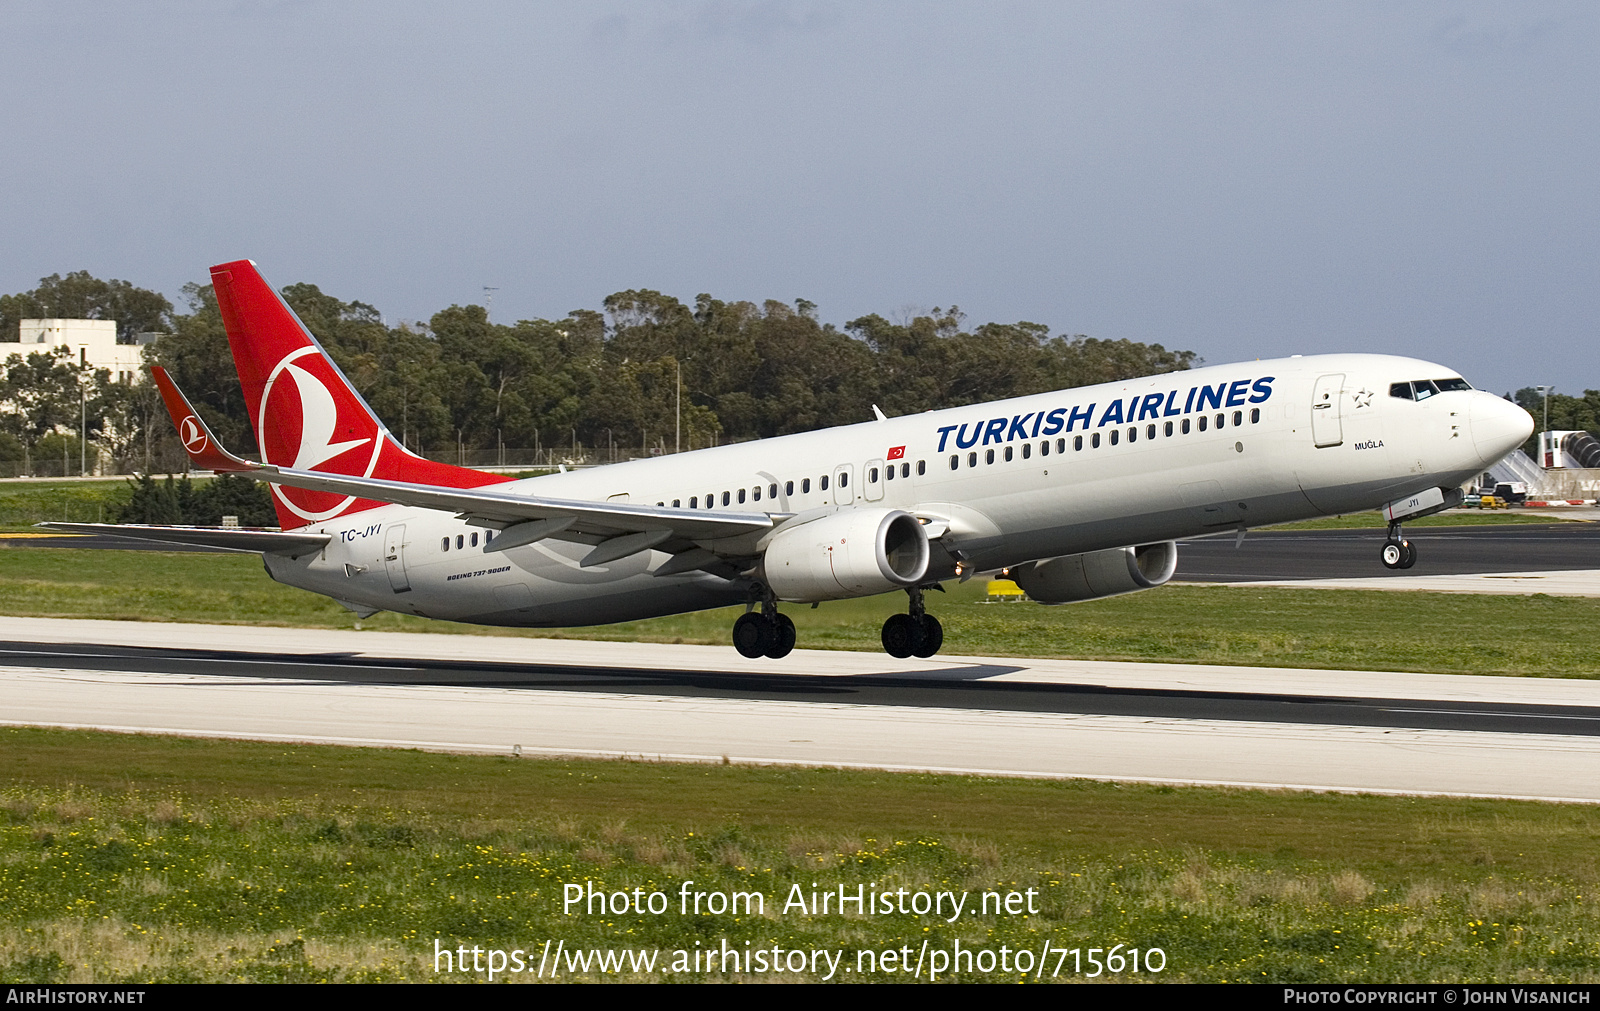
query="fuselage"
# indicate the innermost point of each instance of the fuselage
(997, 484)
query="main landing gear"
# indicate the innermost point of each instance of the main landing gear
(915, 634)
(1398, 553)
(764, 633)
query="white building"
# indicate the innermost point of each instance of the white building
(93, 340)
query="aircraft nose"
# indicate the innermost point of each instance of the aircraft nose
(1498, 426)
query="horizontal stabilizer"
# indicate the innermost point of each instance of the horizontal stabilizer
(275, 542)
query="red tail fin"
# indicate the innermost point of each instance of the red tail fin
(306, 414)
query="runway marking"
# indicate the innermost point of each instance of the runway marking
(1479, 712)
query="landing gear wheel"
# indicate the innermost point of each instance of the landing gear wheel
(753, 635)
(932, 636)
(1393, 555)
(783, 636)
(1401, 554)
(901, 636)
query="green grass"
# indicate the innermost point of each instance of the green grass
(1534, 635)
(134, 858)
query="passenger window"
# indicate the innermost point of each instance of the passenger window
(1044, 448)
(1008, 454)
(972, 459)
(1149, 431)
(1061, 444)
(844, 479)
(694, 501)
(872, 476)
(460, 541)
(1220, 419)
(955, 462)
(1115, 435)
(1238, 418)
(444, 544)
(1169, 430)
(676, 502)
(988, 456)
(488, 538)
(888, 473)
(1202, 422)
(1255, 415)
(474, 540)
(1027, 450)
(822, 483)
(755, 493)
(1077, 443)
(726, 497)
(1133, 433)
(741, 496)
(711, 499)
(805, 486)
(772, 490)
(1185, 426)
(1094, 440)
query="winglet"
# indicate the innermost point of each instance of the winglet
(198, 441)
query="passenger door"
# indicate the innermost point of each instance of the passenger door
(394, 559)
(1326, 427)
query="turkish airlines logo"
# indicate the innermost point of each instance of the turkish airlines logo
(306, 418)
(193, 435)
(897, 453)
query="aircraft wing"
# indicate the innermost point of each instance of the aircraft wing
(273, 542)
(523, 518)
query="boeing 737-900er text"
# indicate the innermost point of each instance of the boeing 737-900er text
(1076, 494)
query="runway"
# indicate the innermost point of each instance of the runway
(1264, 555)
(1176, 723)
(1353, 554)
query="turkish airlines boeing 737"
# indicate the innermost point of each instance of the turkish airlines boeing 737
(1077, 494)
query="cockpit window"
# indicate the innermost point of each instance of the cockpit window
(1422, 389)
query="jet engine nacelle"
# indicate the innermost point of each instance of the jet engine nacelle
(850, 553)
(1097, 573)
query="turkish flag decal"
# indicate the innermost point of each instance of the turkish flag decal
(897, 453)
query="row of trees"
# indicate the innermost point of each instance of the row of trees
(613, 377)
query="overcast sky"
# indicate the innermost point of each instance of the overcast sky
(1240, 179)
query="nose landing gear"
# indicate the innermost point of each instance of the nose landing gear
(766, 633)
(1398, 553)
(915, 634)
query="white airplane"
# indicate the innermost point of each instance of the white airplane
(1076, 494)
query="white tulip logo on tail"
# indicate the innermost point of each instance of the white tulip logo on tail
(193, 436)
(312, 443)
